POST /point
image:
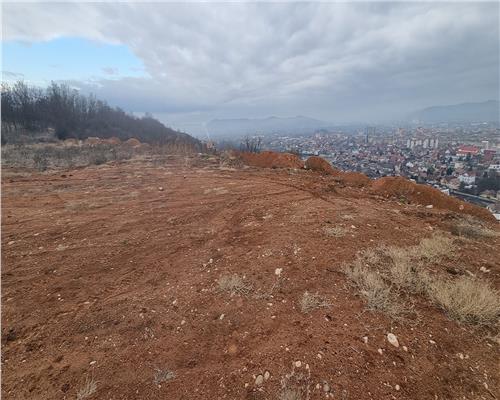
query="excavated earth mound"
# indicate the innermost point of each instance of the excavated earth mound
(355, 179)
(133, 142)
(319, 164)
(425, 195)
(272, 159)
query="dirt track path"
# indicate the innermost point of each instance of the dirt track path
(105, 275)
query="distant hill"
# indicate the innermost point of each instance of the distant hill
(244, 126)
(487, 111)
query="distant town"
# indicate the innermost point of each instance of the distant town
(461, 160)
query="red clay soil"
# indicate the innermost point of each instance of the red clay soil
(355, 179)
(426, 195)
(111, 273)
(272, 159)
(320, 165)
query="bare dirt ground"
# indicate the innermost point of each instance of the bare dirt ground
(111, 273)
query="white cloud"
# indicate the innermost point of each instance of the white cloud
(332, 60)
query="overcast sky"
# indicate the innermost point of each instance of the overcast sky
(340, 62)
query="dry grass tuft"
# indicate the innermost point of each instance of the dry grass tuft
(309, 302)
(88, 389)
(373, 287)
(404, 271)
(162, 375)
(464, 299)
(234, 284)
(472, 228)
(296, 385)
(433, 248)
(467, 300)
(335, 231)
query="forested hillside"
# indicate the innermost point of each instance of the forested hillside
(73, 115)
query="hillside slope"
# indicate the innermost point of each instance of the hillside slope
(185, 279)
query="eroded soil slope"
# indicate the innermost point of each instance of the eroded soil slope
(110, 274)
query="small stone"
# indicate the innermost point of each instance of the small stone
(380, 351)
(432, 341)
(298, 364)
(391, 337)
(259, 380)
(405, 348)
(183, 322)
(267, 375)
(429, 206)
(160, 188)
(319, 356)
(92, 362)
(365, 339)
(461, 356)
(326, 387)
(221, 317)
(397, 387)
(278, 271)
(11, 242)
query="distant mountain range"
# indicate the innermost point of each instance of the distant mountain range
(487, 111)
(246, 126)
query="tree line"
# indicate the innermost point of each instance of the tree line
(74, 115)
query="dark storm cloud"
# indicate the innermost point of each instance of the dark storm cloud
(336, 61)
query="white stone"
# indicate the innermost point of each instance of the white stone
(259, 380)
(397, 387)
(405, 348)
(278, 271)
(267, 375)
(365, 339)
(298, 364)
(391, 337)
(380, 351)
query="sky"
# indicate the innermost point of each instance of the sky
(188, 63)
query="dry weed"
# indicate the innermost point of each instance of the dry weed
(309, 302)
(467, 300)
(88, 389)
(373, 287)
(296, 385)
(234, 284)
(433, 248)
(335, 231)
(472, 228)
(162, 375)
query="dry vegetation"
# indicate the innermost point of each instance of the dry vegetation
(162, 375)
(234, 284)
(296, 385)
(44, 157)
(310, 301)
(473, 228)
(335, 231)
(88, 389)
(382, 275)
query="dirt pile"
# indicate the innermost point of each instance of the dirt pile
(92, 141)
(133, 142)
(425, 195)
(112, 140)
(355, 179)
(320, 165)
(272, 159)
